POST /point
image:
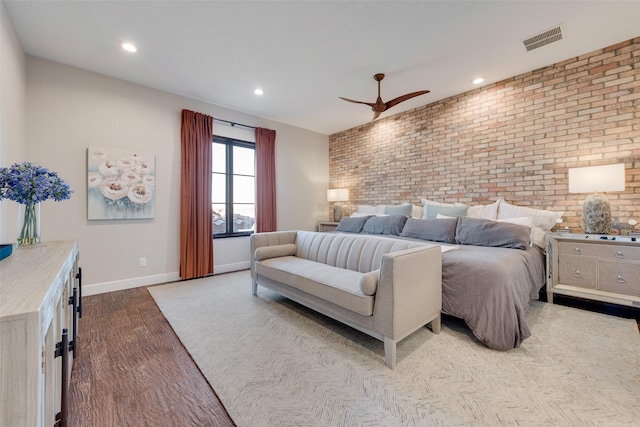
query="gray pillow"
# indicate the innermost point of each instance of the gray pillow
(432, 211)
(403, 209)
(352, 224)
(485, 232)
(391, 224)
(436, 230)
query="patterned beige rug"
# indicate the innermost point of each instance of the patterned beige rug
(275, 363)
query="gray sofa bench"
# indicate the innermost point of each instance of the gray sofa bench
(382, 287)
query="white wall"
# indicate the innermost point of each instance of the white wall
(12, 115)
(70, 109)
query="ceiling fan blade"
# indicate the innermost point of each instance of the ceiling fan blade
(370, 104)
(376, 114)
(402, 98)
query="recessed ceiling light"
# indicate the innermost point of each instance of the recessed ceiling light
(478, 80)
(258, 91)
(129, 47)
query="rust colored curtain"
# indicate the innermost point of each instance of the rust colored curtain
(266, 219)
(196, 238)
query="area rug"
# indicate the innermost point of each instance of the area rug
(273, 362)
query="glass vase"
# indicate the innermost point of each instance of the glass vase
(29, 224)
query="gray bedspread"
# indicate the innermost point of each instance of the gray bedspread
(490, 288)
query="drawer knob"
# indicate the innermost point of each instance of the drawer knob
(577, 251)
(578, 275)
(619, 255)
(620, 279)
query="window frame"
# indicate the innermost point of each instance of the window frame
(229, 144)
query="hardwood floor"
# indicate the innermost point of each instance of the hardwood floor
(132, 370)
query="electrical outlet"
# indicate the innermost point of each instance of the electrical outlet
(143, 262)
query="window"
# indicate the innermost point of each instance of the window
(233, 187)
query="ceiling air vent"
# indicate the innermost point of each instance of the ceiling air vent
(542, 39)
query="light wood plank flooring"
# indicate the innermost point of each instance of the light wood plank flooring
(132, 370)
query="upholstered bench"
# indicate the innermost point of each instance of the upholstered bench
(382, 287)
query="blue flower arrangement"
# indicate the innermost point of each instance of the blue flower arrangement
(30, 184)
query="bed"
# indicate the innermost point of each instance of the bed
(490, 288)
(487, 283)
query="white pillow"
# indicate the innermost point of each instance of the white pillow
(542, 220)
(525, 220)
(440, 216)
(417, 211)
(359, 214)
(370, 210)
(426, 202)
(484, 211)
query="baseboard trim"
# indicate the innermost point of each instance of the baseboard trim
(136, 282)
(228, 268)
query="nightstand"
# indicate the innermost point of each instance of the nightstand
(592, 266)
(327, 226)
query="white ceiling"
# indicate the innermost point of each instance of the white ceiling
(305, 54)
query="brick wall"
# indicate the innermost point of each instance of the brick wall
(514, 140)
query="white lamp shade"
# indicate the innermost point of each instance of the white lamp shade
(338, 195)
(594, 179)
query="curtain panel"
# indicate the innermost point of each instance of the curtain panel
(266, 218)
(196, 238)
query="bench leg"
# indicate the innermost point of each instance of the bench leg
(254, 288)
(436, 324)
(390, 352)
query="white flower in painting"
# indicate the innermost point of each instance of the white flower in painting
(109, 168)
(140, 194)
(114, 189)
(95, 179)
(98, 154)
(130, 177)
(149, 180)
(126, 163)
(136, 157)
(143, 168)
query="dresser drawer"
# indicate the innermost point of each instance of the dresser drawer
(577, 271)
(619, 277)
(600, 250)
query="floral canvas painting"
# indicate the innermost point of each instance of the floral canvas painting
(120, 183)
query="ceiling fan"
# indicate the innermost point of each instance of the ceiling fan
(379, 107)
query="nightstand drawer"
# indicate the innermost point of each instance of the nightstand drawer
(576, 271)
(619, 277)
(599, 250)
(621, 252)
(578, 249)
(324, 226)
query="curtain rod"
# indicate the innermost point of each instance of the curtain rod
(233, 124)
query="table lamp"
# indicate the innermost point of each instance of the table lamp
(337, 195)
(596, 211)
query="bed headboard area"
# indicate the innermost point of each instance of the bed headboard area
(513, 140)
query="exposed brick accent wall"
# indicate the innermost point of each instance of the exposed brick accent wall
(514, 140)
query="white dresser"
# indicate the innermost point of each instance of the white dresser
(39, 303)
(597, 267)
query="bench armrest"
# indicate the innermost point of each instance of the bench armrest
(274, 238)
(409, 292)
